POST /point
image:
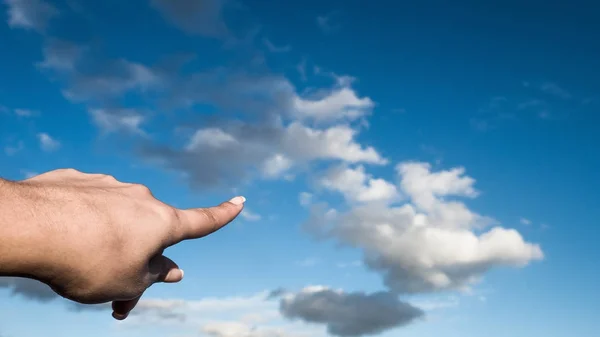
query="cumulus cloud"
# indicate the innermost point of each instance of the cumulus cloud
(348, 314)
(237, 149)
(30, 14)
(338, 103)
(47, 143)
(358, 186)
(431, 242)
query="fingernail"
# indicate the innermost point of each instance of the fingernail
(182, 273)
(119, 317)
(237, 200)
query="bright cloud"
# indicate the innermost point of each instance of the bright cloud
(357, 186)
(429, 243)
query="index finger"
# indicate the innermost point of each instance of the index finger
(195, 223)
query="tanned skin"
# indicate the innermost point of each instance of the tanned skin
(94, 239)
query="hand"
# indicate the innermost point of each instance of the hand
(105, 239)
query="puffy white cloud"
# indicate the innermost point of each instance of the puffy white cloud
(357, 186)
(276, 165)
(336, 104)
(348, 314)
(30, 14)
(47, 143)
(429, 243)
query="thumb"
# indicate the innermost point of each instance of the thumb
(163, 269)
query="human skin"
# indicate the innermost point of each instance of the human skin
(94, 239)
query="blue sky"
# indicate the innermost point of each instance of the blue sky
(433, 163)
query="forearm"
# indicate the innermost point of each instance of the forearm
(21, 239)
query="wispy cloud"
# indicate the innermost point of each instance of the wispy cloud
(203, 17)
(329, 23)
(30, 14)
(250, 216)
(10, 150)
(525, 221)
(47, 143)
(556, 90)
(276, 49)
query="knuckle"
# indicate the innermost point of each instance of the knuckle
(167, 213)
(209, 215)
(107, 177)
(142, 189)
(67, 170)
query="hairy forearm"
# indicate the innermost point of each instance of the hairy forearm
(21, 238)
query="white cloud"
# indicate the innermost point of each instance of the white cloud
(358, 186)
(116, 120)
(305, 198)
(429, 243)
(249, 215)
(525, 221)
(273, 150)
(30, 14)
(276, 165)
(25, 113)
(339, 103)
(255, 315)
(437, 303)
(47, 143)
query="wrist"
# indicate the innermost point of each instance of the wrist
(21, 235)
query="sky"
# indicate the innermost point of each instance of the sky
(411, 169)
